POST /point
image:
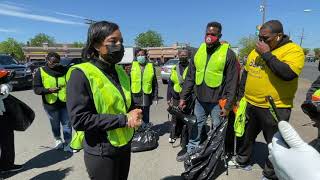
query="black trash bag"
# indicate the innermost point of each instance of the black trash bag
(19, 113)
(230, 137)
(144, 139)
(202, 163)
(187, 118)
(311, 110)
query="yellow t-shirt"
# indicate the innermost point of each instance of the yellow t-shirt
(262, 82)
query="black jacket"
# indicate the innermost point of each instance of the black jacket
(39, 89)
(138, 97)
(171, 94)
(307, 106)
(84, 116)
(279, 68)
(227, 89)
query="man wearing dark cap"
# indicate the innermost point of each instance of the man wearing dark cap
(212, 75)
(272, 69)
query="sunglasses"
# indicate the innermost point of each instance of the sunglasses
(266, 38)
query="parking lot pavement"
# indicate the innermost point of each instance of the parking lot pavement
(34, 147)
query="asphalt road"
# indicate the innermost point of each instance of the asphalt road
(34, 147)
(310, 71)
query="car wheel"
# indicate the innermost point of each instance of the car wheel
(164, 81)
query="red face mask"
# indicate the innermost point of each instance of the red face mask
(210, 39)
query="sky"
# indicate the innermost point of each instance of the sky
(176, 20)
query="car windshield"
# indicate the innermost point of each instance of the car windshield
(7, 60)
(172, 62)
(65, 61)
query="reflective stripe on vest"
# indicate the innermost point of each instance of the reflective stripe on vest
(174, 77)
(147, 77)
(49, 81)
(317, 93)
(211, 72)
(316, 96)
(107, 100)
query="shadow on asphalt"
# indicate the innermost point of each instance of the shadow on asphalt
(163, 128)
(22, 89)
(160, 97)
(53, 175)
(42, 160)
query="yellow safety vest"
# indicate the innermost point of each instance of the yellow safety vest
(107, 100)
(49, 81)
(174, 77)
(211, 72)
(147, 78)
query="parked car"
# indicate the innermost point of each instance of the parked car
(23, 74)
(70, 62)
(310, 59)
(166, 70)
(33, 65)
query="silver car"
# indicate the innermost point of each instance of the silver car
(166, 70)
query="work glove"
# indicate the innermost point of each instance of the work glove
(4, 93)
(292, 158)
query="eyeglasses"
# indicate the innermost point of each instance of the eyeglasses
(266, 38)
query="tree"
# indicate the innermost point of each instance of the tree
(247, 44)
(12, 47)
(317, 52)
(149, 39)
(41, 38)
(77, 44)
(306, 51)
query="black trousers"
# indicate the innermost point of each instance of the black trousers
(260, 119)
(107, 167)
(7, 153)
(177, 124)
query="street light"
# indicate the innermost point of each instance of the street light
(302, 37)
(263, 10)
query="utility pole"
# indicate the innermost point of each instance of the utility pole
(302, 37)
(263, 10)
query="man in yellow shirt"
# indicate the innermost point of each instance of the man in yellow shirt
(272, 69)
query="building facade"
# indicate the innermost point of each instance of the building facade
(155, 54)
(40, 53)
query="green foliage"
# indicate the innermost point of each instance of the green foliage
(306, 51)
(41, 38)
(149, 39)
(12, 47)
(317, 52)
(247, 44)
(77, 44)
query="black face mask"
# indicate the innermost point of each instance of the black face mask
(183, 61)
(57, 66)
(115, 54)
